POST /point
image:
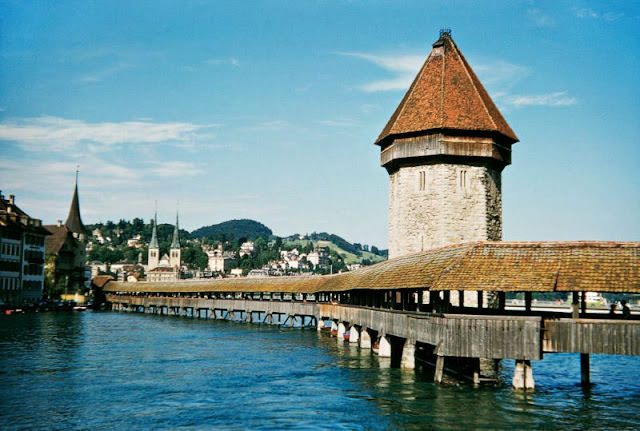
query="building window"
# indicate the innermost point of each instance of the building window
(422, 180)
(464, 183)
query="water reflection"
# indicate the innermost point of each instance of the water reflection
(105, 371)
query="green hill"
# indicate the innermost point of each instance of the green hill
(233, 230)
(350, 255)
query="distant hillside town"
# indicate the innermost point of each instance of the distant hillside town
(45, 264)
(135, 251)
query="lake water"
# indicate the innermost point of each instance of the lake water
(102, 371)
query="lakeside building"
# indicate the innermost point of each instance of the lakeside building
(220, 261)
(66, 253)
(247, 248)
(319, 257)
(22, 255)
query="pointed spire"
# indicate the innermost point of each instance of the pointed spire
(154, 233)
(176, 239)
(74, 221)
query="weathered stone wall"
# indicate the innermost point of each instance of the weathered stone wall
(441, 204)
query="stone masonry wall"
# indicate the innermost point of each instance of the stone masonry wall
(436, 205)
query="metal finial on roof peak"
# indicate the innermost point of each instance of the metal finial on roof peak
(445, 32)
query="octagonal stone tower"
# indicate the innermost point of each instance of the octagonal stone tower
(444, 148)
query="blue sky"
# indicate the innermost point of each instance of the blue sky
(269, 109)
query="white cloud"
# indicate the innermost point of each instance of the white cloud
(103, 74)
(492, 72)
(271, 126)
(403, 67)
(343, 122)
(174, 169)
(232, 61)
(499, 75)
(590, 13)
(60, 134)
(539, 18)
(560, 98)
(585, 13)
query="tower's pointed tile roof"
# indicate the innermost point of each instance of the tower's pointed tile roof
(154, 233)
(176, 237)
(74, 221)
(446, 95)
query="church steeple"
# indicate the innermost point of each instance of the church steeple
(174, 253)
(154, 249)
(154, 233)
(74, 221)
(176, 239)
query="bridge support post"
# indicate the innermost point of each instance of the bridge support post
(408, 360)
(523, 375)
(320, 325)
(365, 339)
(476, 371)
(384, 347)
(334, 328)
(585, 374)
(437, 377)
(354, 335)
(341, 331)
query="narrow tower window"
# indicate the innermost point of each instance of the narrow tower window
(463, 183)
(422, 181)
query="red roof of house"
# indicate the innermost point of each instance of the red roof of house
(446, 95)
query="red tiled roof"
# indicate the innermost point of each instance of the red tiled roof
(546, 266)
(446, 94)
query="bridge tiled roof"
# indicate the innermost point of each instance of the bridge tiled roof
(490, 266)
(546, 267)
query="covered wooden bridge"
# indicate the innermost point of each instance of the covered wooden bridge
(451, 300)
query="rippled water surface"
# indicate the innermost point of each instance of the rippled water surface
(127, 371)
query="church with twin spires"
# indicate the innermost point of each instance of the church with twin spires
(167, 267)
